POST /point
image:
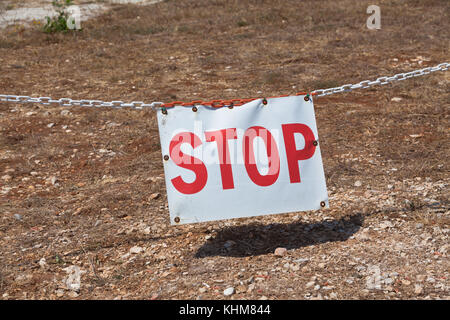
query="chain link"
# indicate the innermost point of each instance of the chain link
(382, 80)
(65, 102)
(139, 105)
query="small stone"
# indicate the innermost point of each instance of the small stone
(136, 250)
(43, 263)
(263, 298)
(228, 291)
(418, 289)
(65, 113)
(396, 99)
(52, 180)
(406, 282)
(125, 256)
(155, 196)
(310, 284)
(202, 290)
(301, 261)
(18, 216)
(358, 183)
(280, 252)
(386, 224)
(363, 236)
(6, 177)
(50, 125)
(113, 124)
(59, 293)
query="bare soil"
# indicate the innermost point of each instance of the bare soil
(84, 186)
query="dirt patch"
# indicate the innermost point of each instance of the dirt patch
(77, 185)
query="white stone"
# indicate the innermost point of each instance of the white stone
(136, 250)
(228, 291)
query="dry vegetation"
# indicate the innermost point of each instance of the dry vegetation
(84, 187)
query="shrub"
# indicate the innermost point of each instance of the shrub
(58, 23)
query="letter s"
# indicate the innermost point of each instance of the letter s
(188, 162)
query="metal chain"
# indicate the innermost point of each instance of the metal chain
(81, 103)
(139, 105)
(382, 80)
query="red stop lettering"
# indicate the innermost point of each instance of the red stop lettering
(188, 162)
(293, 155)
(272, 153)
(221, 138)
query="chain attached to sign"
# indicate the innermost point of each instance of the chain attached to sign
(139, 105)
(261, 159)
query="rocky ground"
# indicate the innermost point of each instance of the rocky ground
(83, 207)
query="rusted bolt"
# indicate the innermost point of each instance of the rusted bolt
(164, 111)
(307, 97)
(231, 106)
(166, 157)
(322, 204)
(315, 143)
(264, 101)
(177, 219)
(194, 108)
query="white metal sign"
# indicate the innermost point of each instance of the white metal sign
(256, 159)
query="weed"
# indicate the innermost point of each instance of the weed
(58, 23)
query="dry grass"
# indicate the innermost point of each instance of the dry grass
(188, 50)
